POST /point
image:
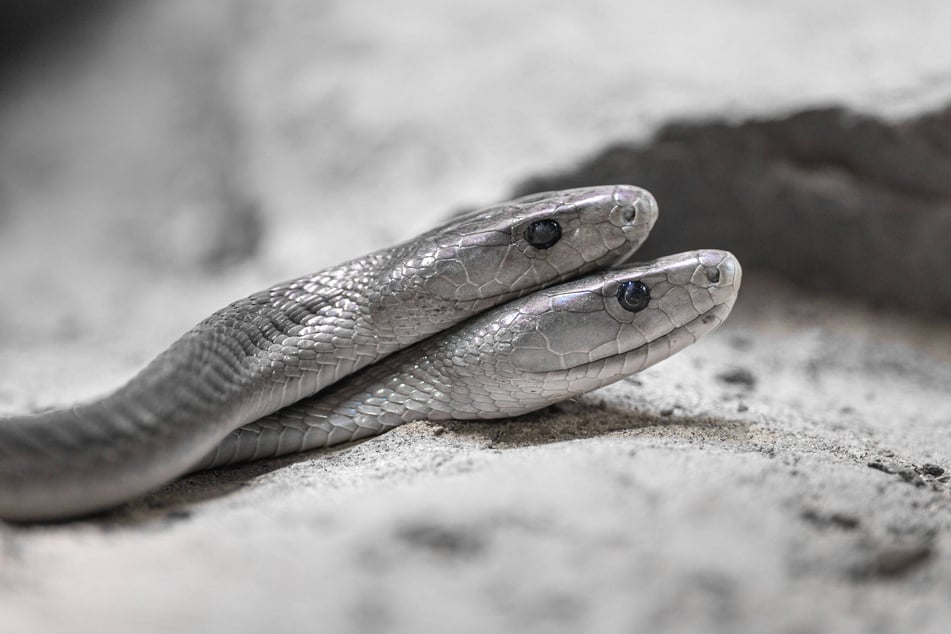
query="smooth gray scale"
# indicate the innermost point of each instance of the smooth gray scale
(287, 342)
(519, 357)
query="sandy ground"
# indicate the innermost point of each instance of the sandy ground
(786, 474)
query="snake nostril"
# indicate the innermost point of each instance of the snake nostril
(631, 202)
(713, 274)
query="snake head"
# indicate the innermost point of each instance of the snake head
(492, 255)
(620, 322)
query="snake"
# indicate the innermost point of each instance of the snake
(527, 354)
(288, 342)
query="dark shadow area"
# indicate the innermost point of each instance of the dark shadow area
(831, 199)
(29, 25)
(171, 501)
(577, 419)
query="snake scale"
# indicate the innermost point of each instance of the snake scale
(286, 343)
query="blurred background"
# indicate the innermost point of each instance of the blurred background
(170, 139)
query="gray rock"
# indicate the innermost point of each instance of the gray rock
(834, 200)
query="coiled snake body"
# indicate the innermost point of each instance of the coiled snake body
(517, 358)
(286, 343)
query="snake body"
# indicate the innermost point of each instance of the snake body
(529, 353)
(286, 343)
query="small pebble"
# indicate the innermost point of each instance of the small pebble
(740, 343)
(178, 514)
(739, 376)
(911, 477)
(897, 559)
(835, 520)
(438, 430)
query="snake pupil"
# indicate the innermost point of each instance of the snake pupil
(633, 296)
(541, 234)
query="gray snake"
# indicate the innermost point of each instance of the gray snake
(286, 343)
(524, 355)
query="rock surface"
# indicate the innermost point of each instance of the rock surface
(832, 199)
(789, 473)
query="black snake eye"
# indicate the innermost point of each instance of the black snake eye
(541, 234)
(633, 296)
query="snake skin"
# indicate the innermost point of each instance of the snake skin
(520, 357)
(285, 343)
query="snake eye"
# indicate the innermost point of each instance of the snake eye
(541, 234)
(633, 296)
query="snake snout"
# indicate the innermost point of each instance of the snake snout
(633, 206)
(731, 270)
(635, 211)
(721, 273)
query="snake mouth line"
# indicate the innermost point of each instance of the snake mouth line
(655, 350)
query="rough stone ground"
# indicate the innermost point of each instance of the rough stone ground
(786, 474)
